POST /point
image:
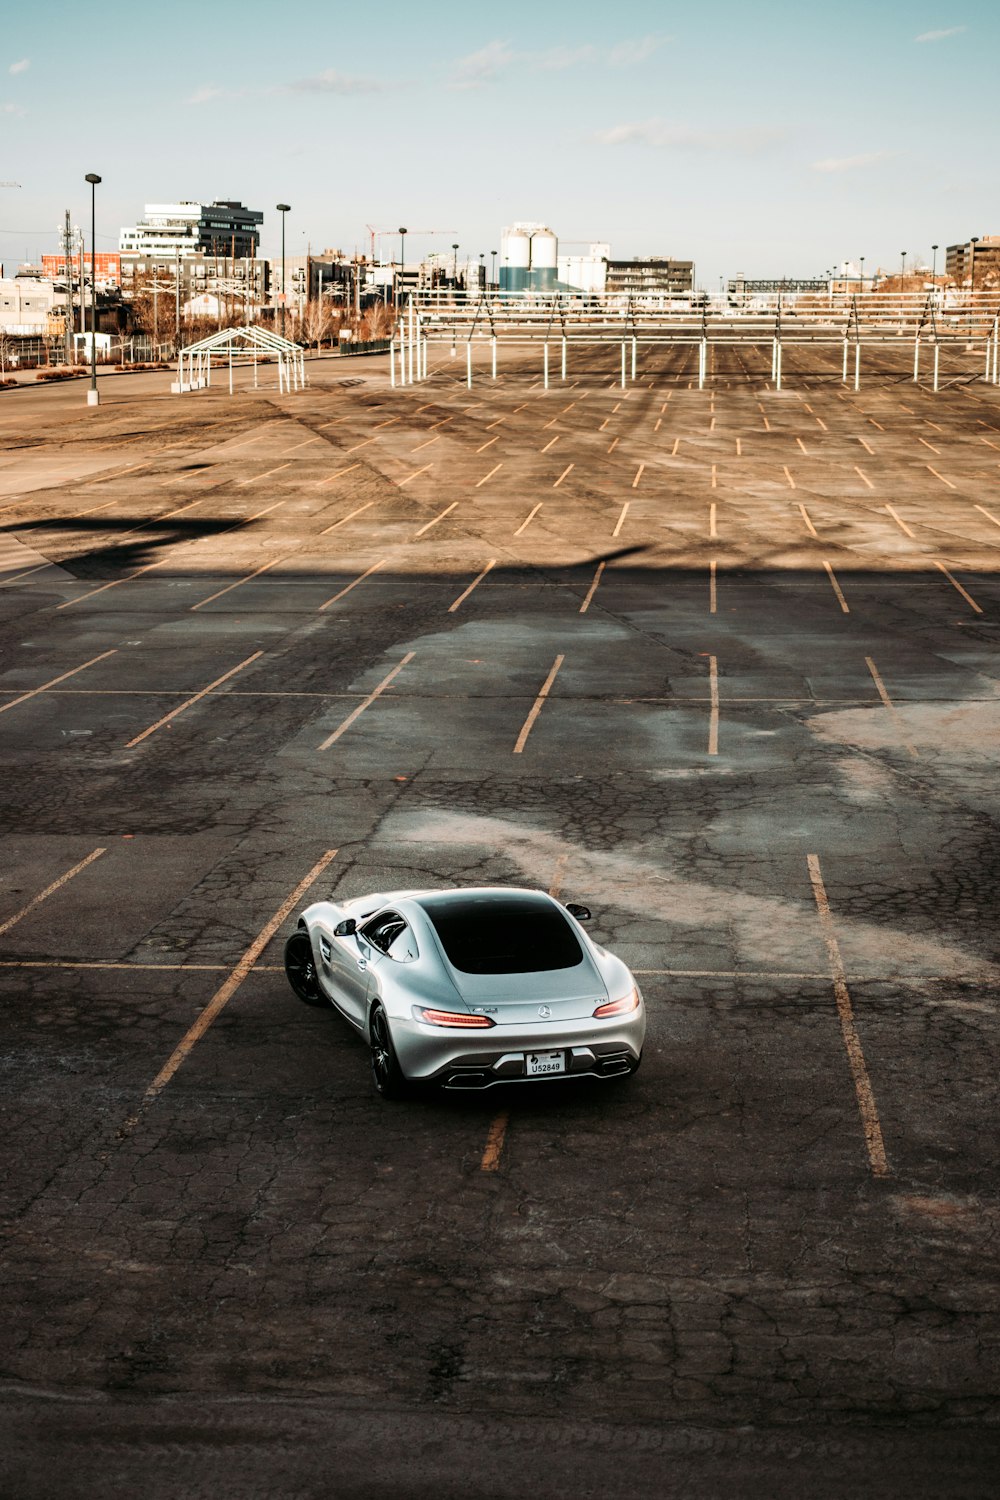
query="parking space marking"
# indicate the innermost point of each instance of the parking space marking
(712, 598)
(806, 517)
(715, 478)
(550, 444)
(955, 584)
(900, 522)
(536, 707)
(593, 588)
(863, 476)
(353, 585)
(638, 476)
(562, 476)
(344, 519)
(613, 445)
(621, 519)
(673, 451)
(876, 424)
(115, 582)
(713, 717)
(38, 568)
(474, 584)
(435, 519)
(529, 518)
(225, 993)
(711, 520)
(428, 444)
(874, 1144)
(929, 445)
(242, 483)
(487, 444)
(837, 589)
(866, 447)
(50, 890)
(802, 445)
(989, 444)
(880, 687)
(314, 439)
(415, 475)
(357, 712)
(988, 514)
(494, 1143)
(941, 477)
(490, 475)
(362, 444)
(264, 568)
(339, 474)
(788, 476)
(196, 698)
(34, 692)
(819, 421)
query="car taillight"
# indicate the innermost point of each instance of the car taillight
(619, 1007)
(450, 1018)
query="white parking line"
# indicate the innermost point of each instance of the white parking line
(357, 712)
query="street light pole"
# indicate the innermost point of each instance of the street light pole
(934, 251)
(862, 273)
(972, 265)
(493, 274)
(283, 209)
(902, 274)
(454, 264)
(402, 263)
(92, 395)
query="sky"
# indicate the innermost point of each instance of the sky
(769, 138)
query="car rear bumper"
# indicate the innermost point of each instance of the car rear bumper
(592, 1049)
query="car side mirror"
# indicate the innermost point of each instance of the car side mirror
(345, 928)
(581, 913)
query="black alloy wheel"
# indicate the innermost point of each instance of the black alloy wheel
(300, 969)
(387, 1075)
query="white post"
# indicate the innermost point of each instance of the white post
(412, 341)
(392, 360)
(564, 357)
(857, 364)
(844, 376)
(633, 355)
(989, 351)
(425, 355)
(493, 355)
(623, 364)
(777, 377)
(545, 364)
(937, 362)
(230, 369)
(702, 363)
(468, 364)
(255, 366)
(916, 359)
(402, 355)
(774, 359)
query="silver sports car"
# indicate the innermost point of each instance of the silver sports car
(469, 988)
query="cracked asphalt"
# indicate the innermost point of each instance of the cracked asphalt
(264, 647)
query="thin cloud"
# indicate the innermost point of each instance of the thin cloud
(487, 64)
(482, 67)
(20, 67)
(332, 82)
(205, 94)
(630, 54)
(851, 163)
(939, 36)
(661, 135)
(11, 109)
(556, 59)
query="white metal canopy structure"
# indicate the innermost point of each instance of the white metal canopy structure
(194, 364)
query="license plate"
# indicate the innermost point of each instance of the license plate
(539, 1063)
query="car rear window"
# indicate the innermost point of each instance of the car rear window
(503, 934)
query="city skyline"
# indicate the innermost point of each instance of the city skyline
(778, 145)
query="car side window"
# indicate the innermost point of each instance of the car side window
(403, 947)
(382, 931)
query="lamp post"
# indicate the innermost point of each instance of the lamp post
(934, 251)
(862, 259)
(402, 260)
(92, 396)
(482, 269)
(283, 209)
(902, 274)
(454, 263)
(493, 273)
(972, 265)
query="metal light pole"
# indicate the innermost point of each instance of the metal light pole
(482, 270)
(862, 272)
(934, 251)
(177, 298)
(493, 274)
(283, 209)
(972, 265)
(402, 262)
(454, 263)
(92, 396)
(902, 274)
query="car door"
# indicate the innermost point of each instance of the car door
(344, 964)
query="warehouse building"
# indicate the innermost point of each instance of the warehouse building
(220, 228)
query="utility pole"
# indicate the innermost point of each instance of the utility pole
(69, 292)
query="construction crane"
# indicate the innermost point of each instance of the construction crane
(376, 234)
(9, 184)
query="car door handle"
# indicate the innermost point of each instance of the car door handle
(362, 964)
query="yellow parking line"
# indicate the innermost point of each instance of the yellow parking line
(415, 475)
(344, 519)
(862, 475)
(50, 890)
(264, 568)
(194, 699)
(955, 584)
(27, 573)
(593, 588)
(355, 713)
(880, 687)
(900, 522)
(536, 707)
(712, 532)
(876, 424)
(23, 698)
(929, 445)
(363, 444)
(621, 519)
(802, 445)
(428, 443)
(989, 444)
(739, 448)
(550, 444)
(347, 589)
(673, 451)
(712, 598)
(433, 522)
(988, 514)
(562, 476)
(837, 589)
(821, 423)
(870, 1124)
(223, 995)
(494, 1143)
(808, 521)
(486, 445)
(242, 483)
(713, 717)
(638, 476)
(866, 447)
(331, 477)
(115, 582)
(614, 444)
(490, 475)
(475, 582)
(788, 476)
(529, 518)
(942, 478)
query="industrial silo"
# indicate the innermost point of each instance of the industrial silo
(544, 259)
(515, 251)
